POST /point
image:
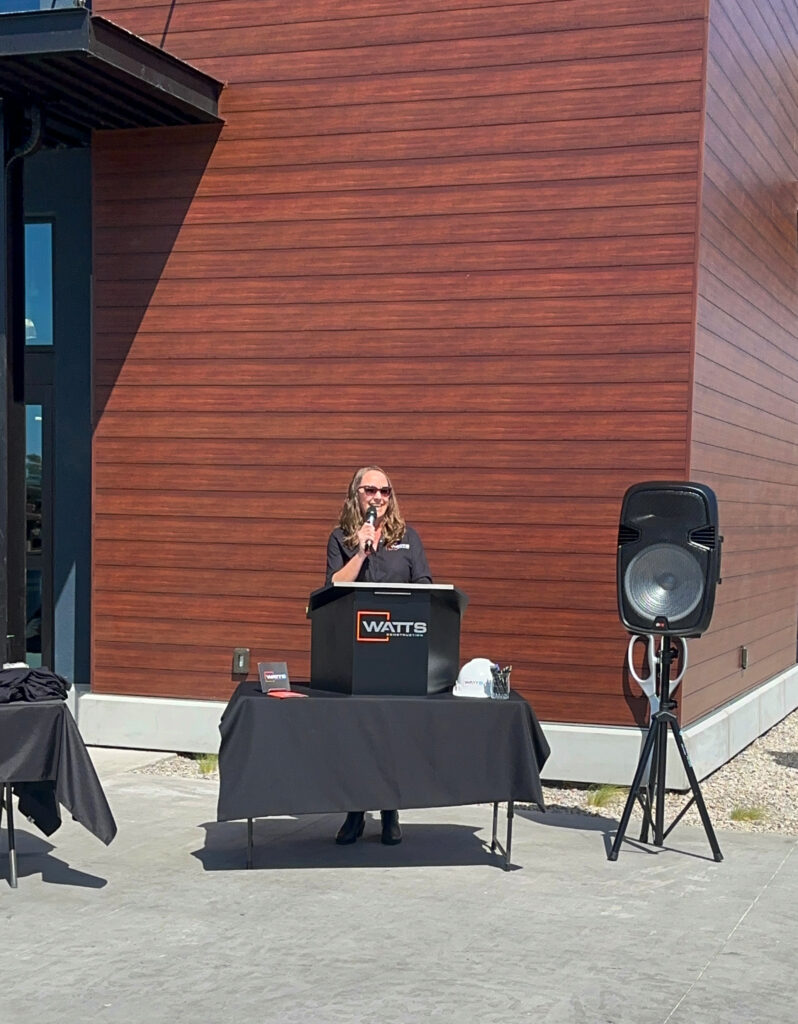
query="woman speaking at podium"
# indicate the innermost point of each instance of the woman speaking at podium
(372, 543)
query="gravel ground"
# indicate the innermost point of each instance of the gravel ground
(762, 780)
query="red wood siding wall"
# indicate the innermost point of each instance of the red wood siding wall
(746, 368)
(454, 238)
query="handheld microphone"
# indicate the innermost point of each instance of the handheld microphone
(371, 517)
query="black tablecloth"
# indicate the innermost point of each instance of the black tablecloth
(43, 755)
(333, 752)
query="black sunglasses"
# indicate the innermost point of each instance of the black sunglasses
(371, 492)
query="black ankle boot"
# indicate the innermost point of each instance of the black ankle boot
(391, 833)
(352, 828)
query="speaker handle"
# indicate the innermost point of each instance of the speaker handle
(648, 684)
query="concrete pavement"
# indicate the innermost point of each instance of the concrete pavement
(166, 925)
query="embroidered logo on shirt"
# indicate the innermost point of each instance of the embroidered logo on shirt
(399, 547)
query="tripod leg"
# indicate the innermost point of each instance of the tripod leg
(659, 795)
(648, 748)
(646, 804)
(647, 795)
(697, 796)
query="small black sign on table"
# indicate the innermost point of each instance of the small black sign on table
(273, 675)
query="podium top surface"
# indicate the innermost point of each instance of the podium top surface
(394, 586)
(445, 593)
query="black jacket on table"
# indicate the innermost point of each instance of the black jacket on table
(402, 562)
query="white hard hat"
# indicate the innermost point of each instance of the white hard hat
(475, 679)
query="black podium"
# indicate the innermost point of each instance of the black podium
(387, 639)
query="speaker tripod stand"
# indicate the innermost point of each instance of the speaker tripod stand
(648, 785)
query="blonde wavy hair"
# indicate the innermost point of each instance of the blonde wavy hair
(351, 518)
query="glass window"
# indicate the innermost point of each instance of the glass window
(15, 6)
(38, 283)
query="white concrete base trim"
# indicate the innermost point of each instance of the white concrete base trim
(609, 754)
(716, 738)
(579, 753)
(149, 723)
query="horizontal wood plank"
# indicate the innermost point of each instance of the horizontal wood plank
(466, 256)
(447, 113)
(434, 313)
(316, 427)
(570, 207)
(309, 26)
(500, 341)
(392, 372)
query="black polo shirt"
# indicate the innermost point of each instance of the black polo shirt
(402, 562)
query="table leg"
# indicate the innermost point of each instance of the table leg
(495, 844)
(249, 842)
(12, 846)
(510, 812)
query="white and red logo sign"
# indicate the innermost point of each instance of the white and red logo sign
(380, 628)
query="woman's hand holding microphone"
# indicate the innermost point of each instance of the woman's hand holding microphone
(367, 534)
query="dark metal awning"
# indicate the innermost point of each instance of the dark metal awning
(86, 73)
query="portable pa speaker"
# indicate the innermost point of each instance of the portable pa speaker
(668, 558)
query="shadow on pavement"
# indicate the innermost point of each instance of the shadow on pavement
(33, 858)
(608, 827)
(289, 844)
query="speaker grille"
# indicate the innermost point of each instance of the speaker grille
(664, 580)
